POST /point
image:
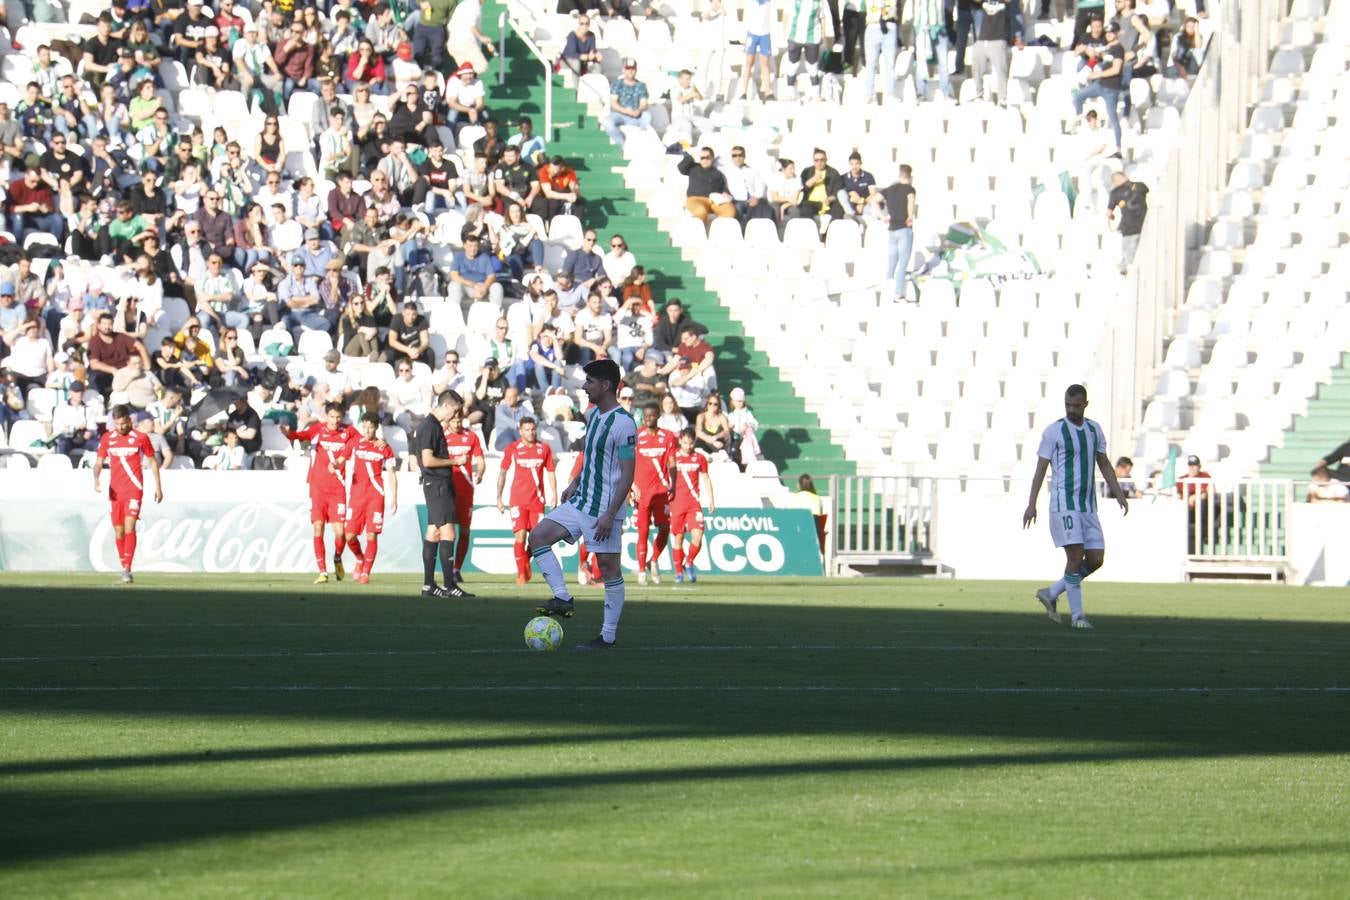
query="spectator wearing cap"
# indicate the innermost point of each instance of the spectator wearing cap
(1104, 80)
(75, 424)
(580, 53)
(316, 253)
(467, 43)
(254, 63)
(30, 207)
(339, 383)
(465, 98)
(472, 275)
(188, 32)
(707, 192)
(627, 103)
(298, 298)
(1194, 486)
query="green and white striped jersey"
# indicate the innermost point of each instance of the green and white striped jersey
(1072, 451)
(610, 437)
(804, 27)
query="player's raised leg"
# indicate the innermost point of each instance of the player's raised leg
(541, 540)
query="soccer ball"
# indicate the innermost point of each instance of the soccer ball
(543, 633)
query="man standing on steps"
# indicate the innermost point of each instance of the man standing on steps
(433, 456)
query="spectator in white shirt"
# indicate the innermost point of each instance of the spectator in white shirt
(448, 377)
(466, 41)
(746, 187)
(619, 261)
(594, 331)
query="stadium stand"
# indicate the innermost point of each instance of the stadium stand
(137, 152)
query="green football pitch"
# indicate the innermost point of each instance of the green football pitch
(201, 736)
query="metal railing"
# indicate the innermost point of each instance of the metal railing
(879, 518)
(507, 20)
(1241, 527)
(1183, 202)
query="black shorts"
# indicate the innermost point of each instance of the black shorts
(440, 497)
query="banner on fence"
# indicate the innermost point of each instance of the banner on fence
(256, 536)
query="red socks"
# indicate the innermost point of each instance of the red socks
(660, 543)
(677, 558)
(461, 546)
(643, 526)
(372, 547)
(126, 548)
(320, 556)
(522, 560)
(355, 546)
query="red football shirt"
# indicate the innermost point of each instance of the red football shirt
(689, 471)
(654, 453)
(464, 446)
(371, 459)
(126, 451)
(531, 461)
(325, 446)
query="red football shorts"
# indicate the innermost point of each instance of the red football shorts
(124, 508)
(657, 508)
(330, 508)
(523, 518)
(366, 517)
(683, 521)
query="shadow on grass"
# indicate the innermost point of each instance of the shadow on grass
(687, 652)
(111, 821)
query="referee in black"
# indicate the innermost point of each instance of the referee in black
(428, 442)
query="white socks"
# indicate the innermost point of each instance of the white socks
(1057, 588)
(613, 608)
(552, 571)
(1074, 588)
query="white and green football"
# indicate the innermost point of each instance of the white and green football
(543, 633)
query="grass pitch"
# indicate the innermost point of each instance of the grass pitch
(227, 736)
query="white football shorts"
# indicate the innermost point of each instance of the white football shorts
(578, 524)
(1077, 528)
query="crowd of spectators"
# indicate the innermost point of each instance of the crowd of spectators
(197, 267)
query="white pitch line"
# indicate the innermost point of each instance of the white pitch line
(674, 648)
(424, 626)
(692, 688)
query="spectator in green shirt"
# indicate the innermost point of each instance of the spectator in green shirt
(126, 232)
(430, 35)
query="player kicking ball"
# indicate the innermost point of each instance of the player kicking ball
(594, 504)
(690, 470)
(125, 449)
(327, 491)
(373, 494)
(651, 490)
(532, 466)
(1070, 447)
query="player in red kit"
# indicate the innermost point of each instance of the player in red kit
(373, 494)
(533, 466)
(125, 450)
(588, 566)
(327, 490)
(651, 490)
(467, 468)
(690, 470)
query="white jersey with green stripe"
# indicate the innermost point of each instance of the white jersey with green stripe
(804, 26)
(610, 437)
(1072, 451)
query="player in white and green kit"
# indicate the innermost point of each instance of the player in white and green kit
(594, 505)
(1071, 447)
(805, 33)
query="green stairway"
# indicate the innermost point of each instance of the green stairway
(1322, 429)
(789, 435)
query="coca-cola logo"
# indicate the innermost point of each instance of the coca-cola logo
(244, 537)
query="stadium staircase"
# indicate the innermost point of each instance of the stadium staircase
(790, 436)
(1254, 376)
(1325, 426)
